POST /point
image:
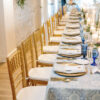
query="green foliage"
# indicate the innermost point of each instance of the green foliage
(82, 10)
(21, 3)
(97, 23)
(88, 28)
(85, 21)
(84, 16)
(97, 45)
(90, 33)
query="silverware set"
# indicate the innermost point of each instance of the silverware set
(69, 79)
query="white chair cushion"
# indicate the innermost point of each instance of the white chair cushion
(55, 39)
(40, 73)
(58, 32)
(50, 49)
(65, 16)
(32, 93)
(47, 58)
(62, 22)
(61, 27)
(64, 19)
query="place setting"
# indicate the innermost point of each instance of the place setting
(73, 41)
(72, 70)
(73, 26)
(73, 18)
(72, 21)
(71, 33)
(77, 65)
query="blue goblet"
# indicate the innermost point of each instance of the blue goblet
(95, 55)
(84, 50)
(83, 39)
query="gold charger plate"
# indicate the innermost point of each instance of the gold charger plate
(74, 43)
(69, 49)
(71, 75)
(74, 55)
(73, 27)
(74, 18)
(71, 34)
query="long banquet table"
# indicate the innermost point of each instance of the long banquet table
(86, 87)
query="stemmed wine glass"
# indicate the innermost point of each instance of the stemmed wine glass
(82, 36)
(95, 55)
(84, 50)
(83, 39)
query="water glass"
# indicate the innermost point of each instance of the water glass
(84, 50)
(83, 39)
(95, 55)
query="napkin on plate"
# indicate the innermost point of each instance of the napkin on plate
(69, 69)
(81, 61)
(73, 25)
(95, 70)
(73, 40)
(78, 47)
(69, 52)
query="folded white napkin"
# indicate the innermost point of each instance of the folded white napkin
(69, 40)
(69, 52)
(71, 33)
(71, 47)
(95, 70)
(72, 25)
(75, 38)
(69, 69)
(81, 61)
(76, 17)
(71, 20)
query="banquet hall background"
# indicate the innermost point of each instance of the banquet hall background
(18, 23)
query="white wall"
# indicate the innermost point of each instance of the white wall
(2, 33)
(17, 23)
(9, 25)
(7, 32)
(27, 19)
(44, 10)
(24, 20)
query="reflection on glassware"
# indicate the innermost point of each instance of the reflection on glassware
(95, 55)
(84, 50)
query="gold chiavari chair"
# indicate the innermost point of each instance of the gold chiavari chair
(47, 49)
(64, 9)
(37, 75)
(56, 32)
(60, 13)
(17, 79)
(63, 18)
(60, 25)
(52, 40)
(42, 59)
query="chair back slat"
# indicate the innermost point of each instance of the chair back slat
(29, 57)
(57, 19)
(17, 76)
(64, 9)
(53, 24)
(38, 43)
(18, 83)
(43, 35)
(16, 73)
(60, 13)
(49, 29)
